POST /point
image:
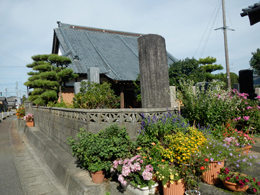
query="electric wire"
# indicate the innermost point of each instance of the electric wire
(206, 28)
(11, 56)
(210, 31)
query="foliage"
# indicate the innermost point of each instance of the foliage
(192, 69)
(29, 117)
(20, 112)
(185, 69)
(95, 96)
(205, 107)
(216, 150)
(168, 174)
(181, 146)
(223, 77)
(62, 104)
(240, 179)
(47, 78)
(95, 152)
(156, 128)
(137, 88)
(215, 106)
(134, 170)
(255, 62)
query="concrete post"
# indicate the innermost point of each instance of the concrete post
(154, 76)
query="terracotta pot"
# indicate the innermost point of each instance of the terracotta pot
(234, 187)
(177, 188)
(244, 150)
(98, 177)
(30, 124)
(211, 176)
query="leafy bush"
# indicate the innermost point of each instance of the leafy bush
(20, 112)
(95, 152)
(95, 96)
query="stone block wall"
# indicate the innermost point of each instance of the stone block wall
(61, 123)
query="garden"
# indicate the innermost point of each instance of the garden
(209, 141)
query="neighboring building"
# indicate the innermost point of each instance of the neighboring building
(3, 104)
(13, 102)
(114, 53)
(253, 12)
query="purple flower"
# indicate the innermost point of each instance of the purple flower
(219, 163)
(211, 159)
(244, 160)
(237, 165)
(230, 154)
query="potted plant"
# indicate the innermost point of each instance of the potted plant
(29, 120)
(171, 178)
(216, 151)
(96, 152)
(198, 164)
(135, 175)
(20, 112)
(238, 182)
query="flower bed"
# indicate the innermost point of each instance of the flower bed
(168, 149)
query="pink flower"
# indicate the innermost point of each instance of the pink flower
(147, 175)
(246, 118)
(249, 107)
(258, 97)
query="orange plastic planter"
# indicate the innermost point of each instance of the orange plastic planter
(177, 188)
(245, 150)
(234, 187)
(30, 124)
(211, 176)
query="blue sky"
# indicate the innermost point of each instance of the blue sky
(187, 26)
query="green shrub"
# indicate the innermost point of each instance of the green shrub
(95, 152)
(95, 96)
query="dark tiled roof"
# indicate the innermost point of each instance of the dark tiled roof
(253, 13)
(2, 98)
(114, 52)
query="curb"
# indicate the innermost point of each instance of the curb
(75, 180)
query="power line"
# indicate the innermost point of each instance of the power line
(215, 10)
(209, 33)
(11, 56)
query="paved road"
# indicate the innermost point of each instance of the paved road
(22, 171)
(4, 115)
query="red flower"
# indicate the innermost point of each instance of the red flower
(202, 168)
(228, 178)
(247, 180)
(258, 183)
(237, 177)
(255, 190)
(206, 160)
(253, 179)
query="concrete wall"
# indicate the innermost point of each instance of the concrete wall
(61, 123)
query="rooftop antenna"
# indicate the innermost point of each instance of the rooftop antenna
(225, 27)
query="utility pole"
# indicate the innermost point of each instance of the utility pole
(225, 27)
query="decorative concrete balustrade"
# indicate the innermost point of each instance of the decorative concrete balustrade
(61, 123)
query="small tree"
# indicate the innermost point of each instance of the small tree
(185, 69)
(255, 62)
(48, 76)
(95, 96)
(208, 67)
